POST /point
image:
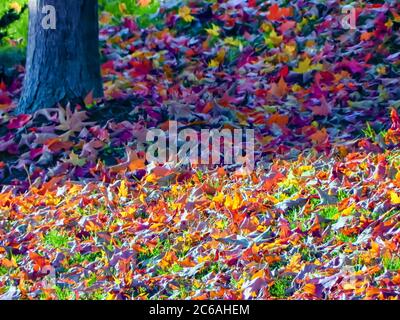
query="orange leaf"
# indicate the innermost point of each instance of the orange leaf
(365, 36)
(37, 259)
(143, 3)
(8, 263)
(319, 137)
(132, 163)
(188, 263)
(310, 288)
(279, 119)
(279, 89)
(208, 107)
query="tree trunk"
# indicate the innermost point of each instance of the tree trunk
(63, 64)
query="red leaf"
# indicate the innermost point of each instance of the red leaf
(19, 121)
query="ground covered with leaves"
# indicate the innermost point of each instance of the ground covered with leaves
(84, 216)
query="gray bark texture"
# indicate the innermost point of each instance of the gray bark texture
(63, 65)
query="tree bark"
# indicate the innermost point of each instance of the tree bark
(63, 64)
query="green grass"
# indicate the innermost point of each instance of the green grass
(162, 246)
(293, 216)
(132, 7)
(79, 258)
(3, 271)
(369, 132)
(92, 280)
(345, 238)
(176, 268)
(342, 194)
(56, 240)
(314, 203)
(306, 254)
(280, 287)
(213, 267)
(143, 15)
(64, 293)
(18, 29)
(329, 212)
(277, 265)
(291, 190)
(96, 295)
(392, 264)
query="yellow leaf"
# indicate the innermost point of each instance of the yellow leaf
(389, 24)
(151, 178)
(349, 210)
(75, 160)
(184, 13)
(290, 49)
(213, 63)
(123, 190)
(221, 56)
(122, 7)
(142, 198)
(273, 39)
(218, 60)
(9, 263)
(258, 274)
(303, 169)
(349, 286)
(305, 66)
(220, 224)
(375, 249)
(214, 30)
(233, 42)
(394, 197)
(219, 198)
(16, 7)
(266, 27)
(233, 203)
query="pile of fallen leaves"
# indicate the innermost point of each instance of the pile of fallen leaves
(293, 74)
(310, 229)
(82, 215)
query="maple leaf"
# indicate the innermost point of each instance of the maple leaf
(184, 13)
(319, 137)
(133, 162)
(394, 198)
(278, 119)
(323, 110)
(75, 160)
(277, 13)
(123, 190)
(214, 30)
(305, 66)
(72, 121)
(279, 89)
(272, 39)
(233, 42)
